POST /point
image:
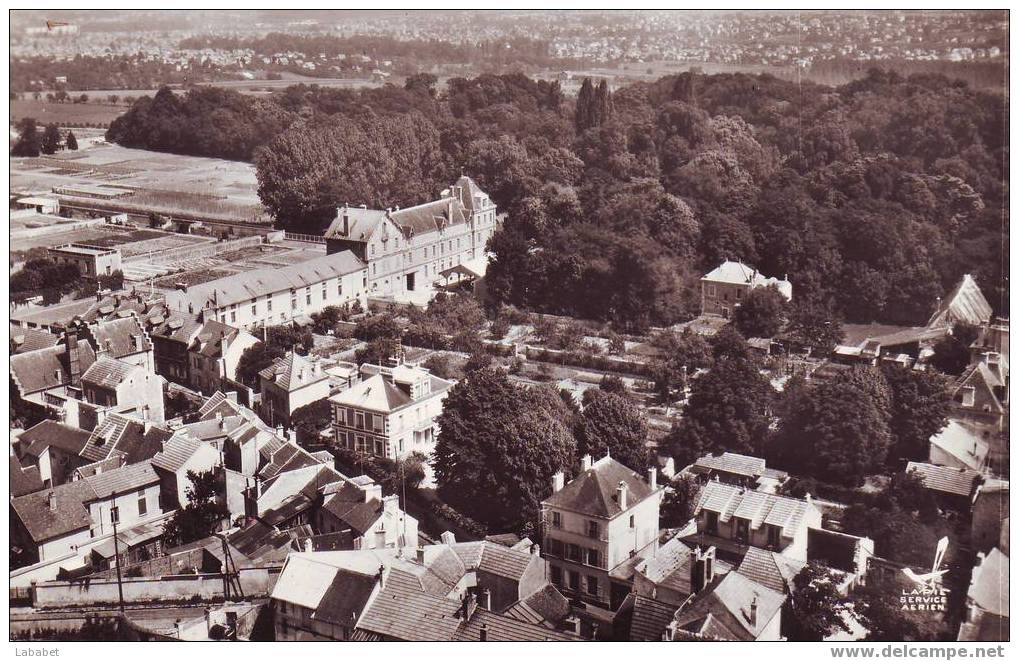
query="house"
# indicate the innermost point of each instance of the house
(43, 379)
(125, 387)
(738, 470)
(671, 574)
(122, 338)
(953, 487)
(723, 288)
(214, 354)
(965, 303)
(29, 339)
(271, 296)
(391, 413)
(55, 522)
(171, 339)
(980, 394)
(179, 456)
(356, 507)
(595, 528)
(962, 444)
(733, 519)
(23, 480)
(92, 261)
(288, 384)
(439, 592)
(987, 600)
(731, 607)
(53, 449)
(408, 250)
(990, 514)
(991, 338)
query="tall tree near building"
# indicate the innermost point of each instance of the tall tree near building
(51, 139)
(201, 516)
(584, 114)
(680, 501)
(838, 430)
(761, 313)
(921, 402)
(29, 142)
(613, 423)
(814, 609)
(498, 447)
(71, 141)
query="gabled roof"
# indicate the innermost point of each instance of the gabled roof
(493, 558)
(293, 371)
(547, 607)
(360, 223)
(345, 599)
(757, 507)
(67, 515)
(730, 462)
(738, 273)
(43, 369)
(212, 337)
(176, 452)
(965, 303)
(727, 601)
(649, 618)
(670, 567)
(770, 569)
(373, 394)
(502, 628)
(989, 587)
(125, 479)
(242, 287)
(127, 435)
(25, 339)
(23, 480)
(70, 440)
(402, 611)
(980, 377)
(963, 441)
(954, 481)
(177, 326)
(593, 492)
(108, 372)
(118, 336)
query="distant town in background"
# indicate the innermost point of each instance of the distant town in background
(509, 326)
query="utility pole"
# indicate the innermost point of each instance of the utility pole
(115, 516)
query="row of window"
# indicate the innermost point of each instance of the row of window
(574, 552)
(293, 301)
(571, 581)
(742, 529)
(593, 529)
(374, 446)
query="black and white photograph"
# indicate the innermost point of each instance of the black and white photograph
(519, 325)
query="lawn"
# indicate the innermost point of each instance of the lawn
(65, 114)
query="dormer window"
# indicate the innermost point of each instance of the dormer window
(966, 396)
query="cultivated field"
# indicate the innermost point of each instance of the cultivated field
(65, 114)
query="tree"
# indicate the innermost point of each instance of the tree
(71, 141)
(279, 341)
(309, 420)
(881, 613)
(921, 402)
(50, 139)
(680, 501)
(203, 514)
(498, 447)
(378, 351)
(728, 409)
(326, 320)
(838, 430)
(814, 326)
(29, 142)
(950, 356)
(615, 424)
(378, 325)
(814, 608)
(761, 312)
(728, 343)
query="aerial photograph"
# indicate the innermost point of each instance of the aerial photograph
(517, 325)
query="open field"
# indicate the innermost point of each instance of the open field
(203, 269)
(145, 181)
(65, 114)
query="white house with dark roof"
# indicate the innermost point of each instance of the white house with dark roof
(987, 609)
(733, 518)
(213, 356)
(54, 449)
(178, 456)
(272, 296)
(596, 527)
(723, 288)
(408, 250)
(731, 608)
(738, 470)
(391, 412)
(288, 384)
(124, 387)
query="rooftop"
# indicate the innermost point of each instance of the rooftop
(593, 491)
(954, 481)
(759, 508)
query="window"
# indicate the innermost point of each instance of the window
(592, 585)
(143, 507)
(712, 292)
(339, 286)
(742, 530)
(324, 294)
(341, 416)
(341, 439)
(268, 303)
(711, 522)
(556, 574)
(554, 547)
(254, 309)
(593, 558)
(233, 316)
(359, 420)
(632, 522)
(557, 520)
(574, 579)
(774, 535)
(573, 552)
(115, 514)
(377, 423)
(592, 529)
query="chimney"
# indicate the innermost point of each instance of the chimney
(535, 549)
(52, 500)
(702, 568)
(73, 365)
(483, 633)
(447, 538)
(308, 546)
(421, 555)
(139, 342)
(382, 576)
(753, 612)
(652, 478)
(486, 599)
(621, 495)
(380, 538)
(391, 503)
(585, 462)
(558, 480)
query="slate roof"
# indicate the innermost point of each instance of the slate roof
(403, 611)
(293, 371)
(980, 375)
(989, 587)
(243, 287)
(738, 273)
(650, 618)
(345, 598)
(127, 435)
(23, 480)
(43, 369)
(361, 223)
(770, 569)
(108, 372)
(36, 439)
(759, 508)
(177, 326)
(593, 492)
(964, 303)
(730, 462)
(176, 452)
(117, 336)
(501, 628)
(954, 481)
(547, 607)
(125, 479)
(374, 394)
(26, 339)
(963, 441)
(722, 609)
(210, 339)
(68, 515)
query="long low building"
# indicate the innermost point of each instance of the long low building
(270, 296)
